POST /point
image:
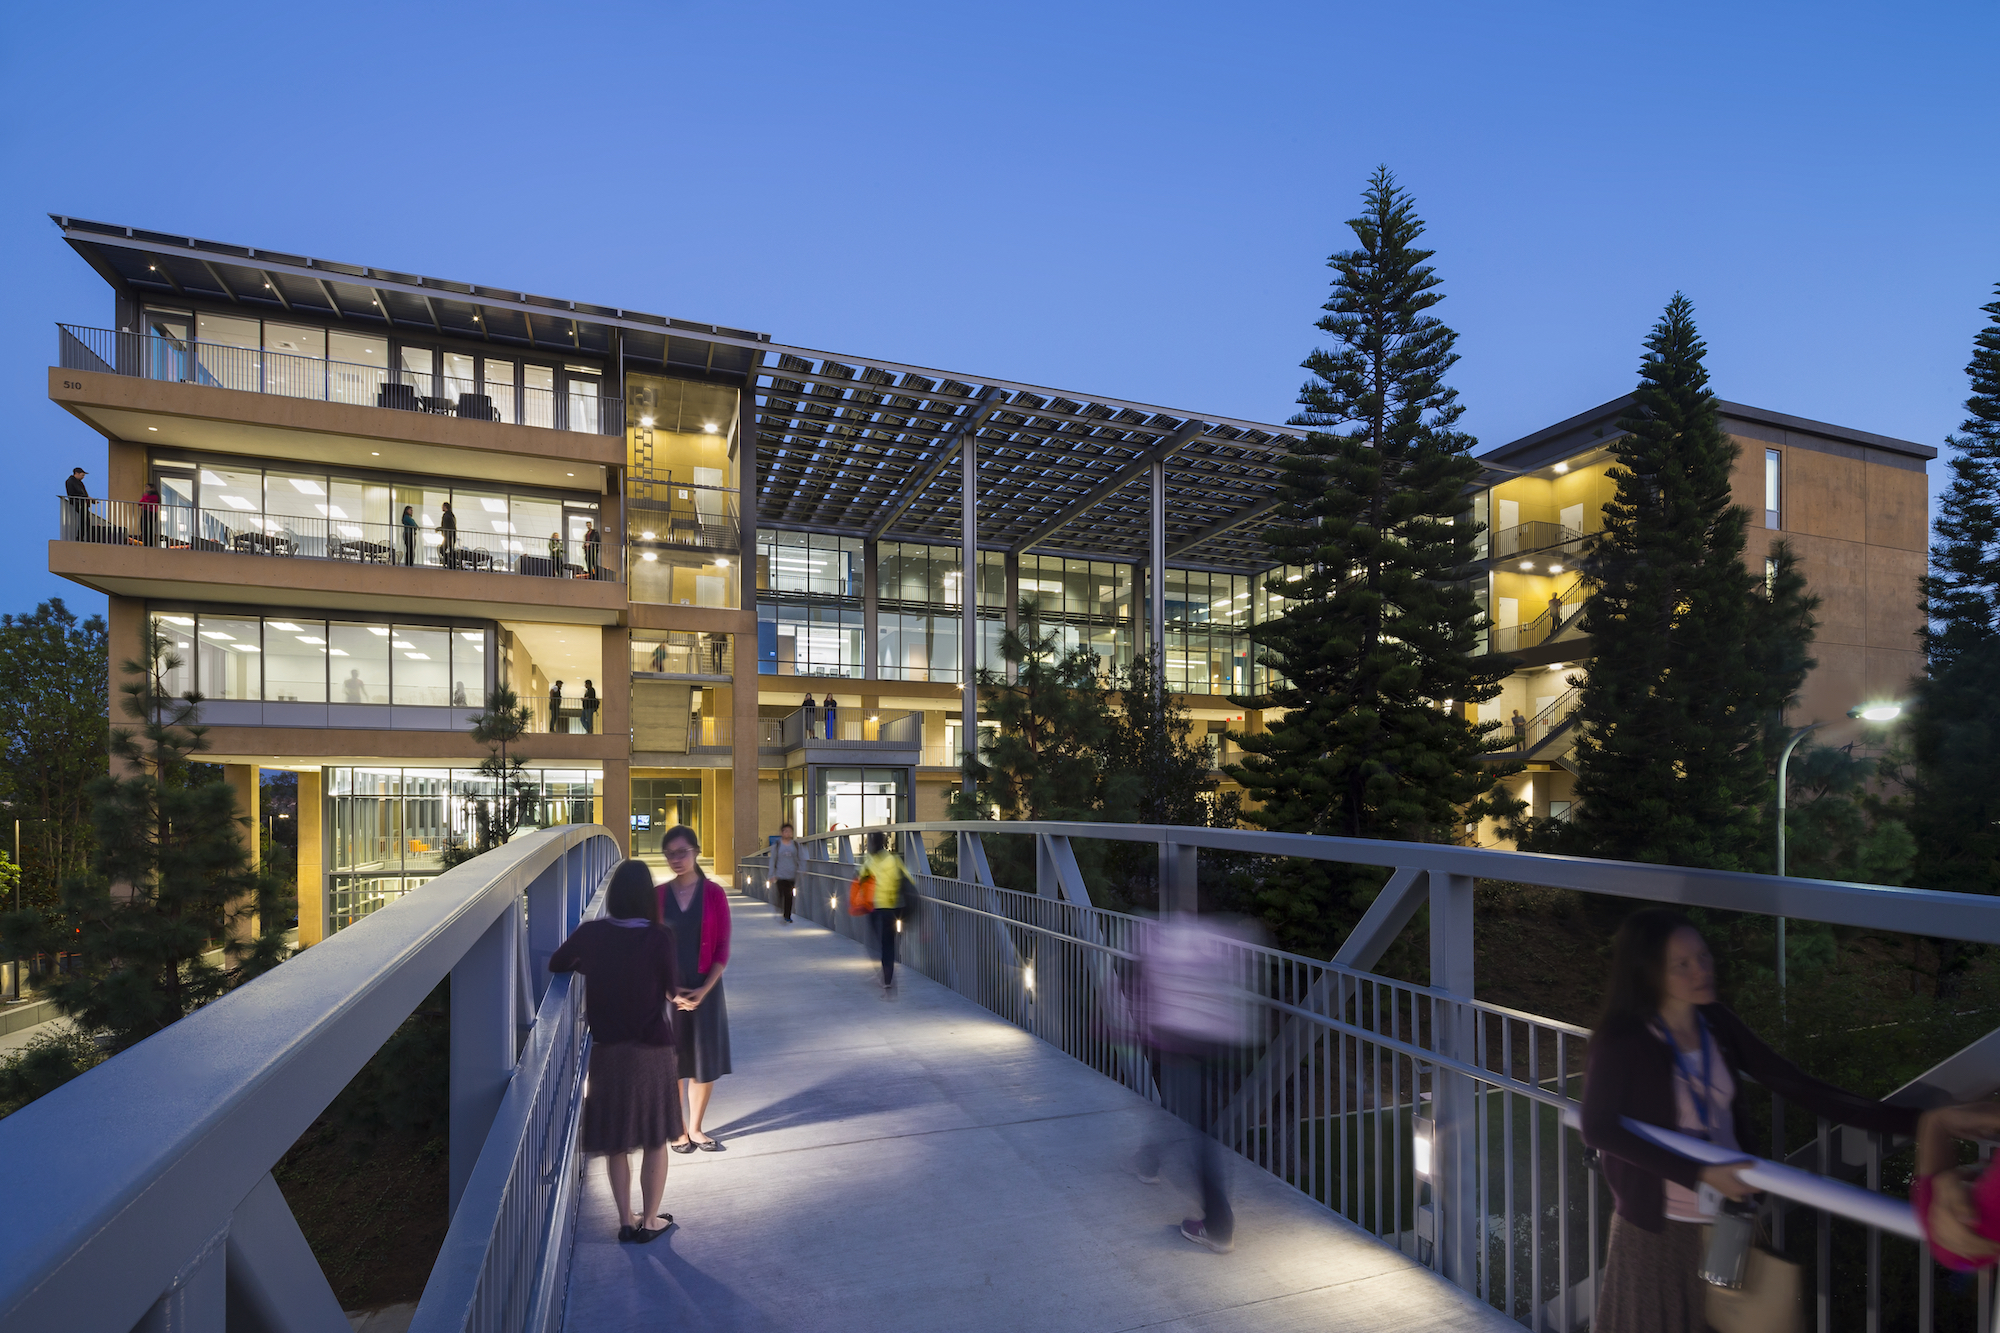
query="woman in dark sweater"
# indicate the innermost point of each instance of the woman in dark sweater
(1665, 1053)
(634, 1099)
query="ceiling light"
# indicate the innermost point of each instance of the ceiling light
(152, 428)
(418, 657)
(1555, 569)
(1561, 468)
(374, 453)
(649, 556)
(246, 647)
(494, 506)
(1527, 564)
(708, 427)
(645, 536)
(218, 635)
(569, 474)
(376, 629)
(722, 564)
(286, 625)
(305, 487)
(178, 620)
(646, 421)
(307, 638)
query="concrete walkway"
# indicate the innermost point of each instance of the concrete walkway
(921, 1165)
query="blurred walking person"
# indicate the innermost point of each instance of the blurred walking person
(785, 870)
(892, 898)
(634, 1100)
(697, 910)
(1192, 1016)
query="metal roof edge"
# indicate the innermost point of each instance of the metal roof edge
(1526, 453)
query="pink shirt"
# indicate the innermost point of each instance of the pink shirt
(1682, 1203)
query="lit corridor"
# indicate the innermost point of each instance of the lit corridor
(921, 1165)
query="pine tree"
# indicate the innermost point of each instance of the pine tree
(170, 878)
(1377, 638)
(509, 799)
(1678, 698)
(1954, 727)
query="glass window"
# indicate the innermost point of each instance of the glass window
(358, 365)
(486, 526)
(461, 375)
(426, 505)
(178, 631)
(585, 407)
(1771, 495)
(295, 660)
(468, 669)
(352, 503)
(227, 652)
(498, 384)
(419, 368)
(296, 504)
(535, 524)
(360, 663)
(294, 360)
(422, 666)
(229, 351)
(538, 396)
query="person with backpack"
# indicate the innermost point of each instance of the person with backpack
(893, 897)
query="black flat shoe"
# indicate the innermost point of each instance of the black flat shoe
(625, 1233)
(668, 1218)
(713, 1145)
(682, 1147)
(641, 1235)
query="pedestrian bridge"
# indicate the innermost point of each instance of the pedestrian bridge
(954, 1158)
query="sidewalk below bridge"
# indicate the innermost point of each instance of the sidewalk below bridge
(918, 1164)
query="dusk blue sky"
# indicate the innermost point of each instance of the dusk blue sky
(1133, 200)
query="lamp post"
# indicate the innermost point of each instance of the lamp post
(1860, 713)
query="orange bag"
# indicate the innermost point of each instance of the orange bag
(861, 896)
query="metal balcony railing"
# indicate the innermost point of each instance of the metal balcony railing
(159, 1159)
(1533, 633)
(171, 527)
(1444, 1125)
(701, 518)
(1528, 538)
(289, 375)
(905, 730)
(679, 653)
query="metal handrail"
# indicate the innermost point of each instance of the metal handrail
(1350, 1064)
(171, 527)
(126, 1186)
(290, 375)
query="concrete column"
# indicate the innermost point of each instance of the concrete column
(312, 868)
(743, 695)
(614, 685)
(616, 802)
(968, 595)
(482, 1041)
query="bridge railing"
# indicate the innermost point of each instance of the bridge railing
(140, 1194)
(1444, 1125)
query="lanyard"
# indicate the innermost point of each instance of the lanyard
(1700, 1093)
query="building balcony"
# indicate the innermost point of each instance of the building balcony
(1530, 539)
(286, 375)
(174, 551)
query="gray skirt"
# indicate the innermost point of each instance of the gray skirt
(634, 1099)
(702, 1038)
(1652, 1281)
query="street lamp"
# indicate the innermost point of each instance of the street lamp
(1882, 712)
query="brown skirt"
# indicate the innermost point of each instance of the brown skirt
(634, 1099)
(1652, 1281)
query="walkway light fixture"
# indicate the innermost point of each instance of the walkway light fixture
(1886, 711)
(1423, 1139)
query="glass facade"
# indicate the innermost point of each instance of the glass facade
(919, 613)
(809, 604)
(681, 531)
(387, 827)
(1088, 603)
(1207, 648)
(296, 659)
(659, 804)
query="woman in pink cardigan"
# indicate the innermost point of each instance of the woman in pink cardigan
(698, 911)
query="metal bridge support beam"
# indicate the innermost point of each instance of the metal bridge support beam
(275, 1284)
(548, 923)
(968, 596)
(197, 1301)
(1455, 1181)
(483, 1006)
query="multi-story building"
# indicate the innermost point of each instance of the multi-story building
(358, 501)
(1853, 506)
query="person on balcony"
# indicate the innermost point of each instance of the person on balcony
(1666, 1053)
(785, 869)
(555, 555)
(592, 544)
(149, 516)
(660, 656)
(555, 708)
(698, 911)
(633, 1102)
(832, 719)
(1555, 614)
(1520, 725)
(409, 535)
(79, 503)
(811, 710)
(589, 707)
(448, 526)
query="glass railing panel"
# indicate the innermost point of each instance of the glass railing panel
(289, 375)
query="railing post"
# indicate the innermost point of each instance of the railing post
(483, 1004)
(548, 921)
(1455, 1184)
(1180, 878)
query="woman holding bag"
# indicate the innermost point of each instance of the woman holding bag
(891, 894)
(1667, 1054)
(697, 910)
